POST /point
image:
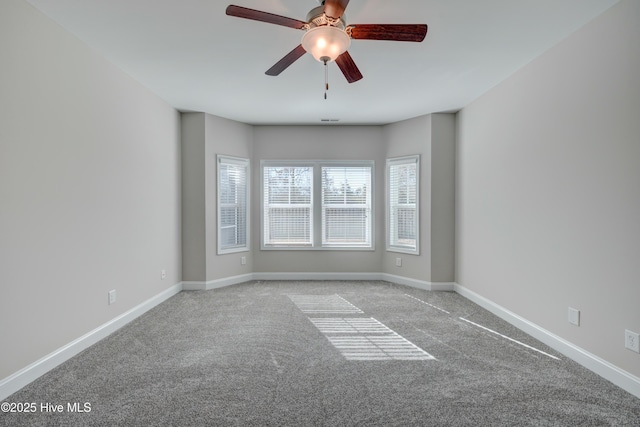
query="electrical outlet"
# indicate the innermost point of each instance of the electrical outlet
(574, 316)
(398, 262)
(163, 274)
(243, 260)
(632, 341)
(112, 297)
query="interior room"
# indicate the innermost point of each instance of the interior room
(509, 130)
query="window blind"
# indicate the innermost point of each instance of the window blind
(402, 196)
(346, 206)
(232, 204)
(288, 206)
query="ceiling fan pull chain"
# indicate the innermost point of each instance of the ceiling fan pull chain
(326, 78)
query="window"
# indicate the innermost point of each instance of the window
(317, 205)
(402, 204)
(346, 206)
(288, 205)
(233, 204)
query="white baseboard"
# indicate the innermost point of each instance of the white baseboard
(218, 283)
(420, 284)
(617, 376)
(316, 276)
(26, 375)
(401, 280)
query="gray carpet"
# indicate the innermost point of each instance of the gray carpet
(323, 354)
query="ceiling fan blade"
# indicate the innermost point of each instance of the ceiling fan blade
(335, 8)
(288, 59)
(348, 67)
(257, 15)
(395, 32)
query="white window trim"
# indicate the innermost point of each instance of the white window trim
(316, 231)
(368, 204)
(401, 161)
(285, 164)
(238, 161)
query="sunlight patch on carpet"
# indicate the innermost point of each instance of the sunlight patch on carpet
(324, 304)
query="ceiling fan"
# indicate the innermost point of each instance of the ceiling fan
(327, 36)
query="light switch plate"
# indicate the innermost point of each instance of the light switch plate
(112, 297)
(574, 316)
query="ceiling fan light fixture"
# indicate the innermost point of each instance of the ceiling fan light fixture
(326, 42)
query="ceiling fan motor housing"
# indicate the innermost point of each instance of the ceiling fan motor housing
(317, 18)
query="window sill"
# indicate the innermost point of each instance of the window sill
(326, 248)
(234, 250)
(404, 251)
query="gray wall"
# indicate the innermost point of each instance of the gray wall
(232, 139)
(319, 143)
(407, 138)
(442, 170)
(89, 189)
(204, 137)
(194, 189)
(548, 188)
(433, 138)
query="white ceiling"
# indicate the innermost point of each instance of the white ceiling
(190, 53)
